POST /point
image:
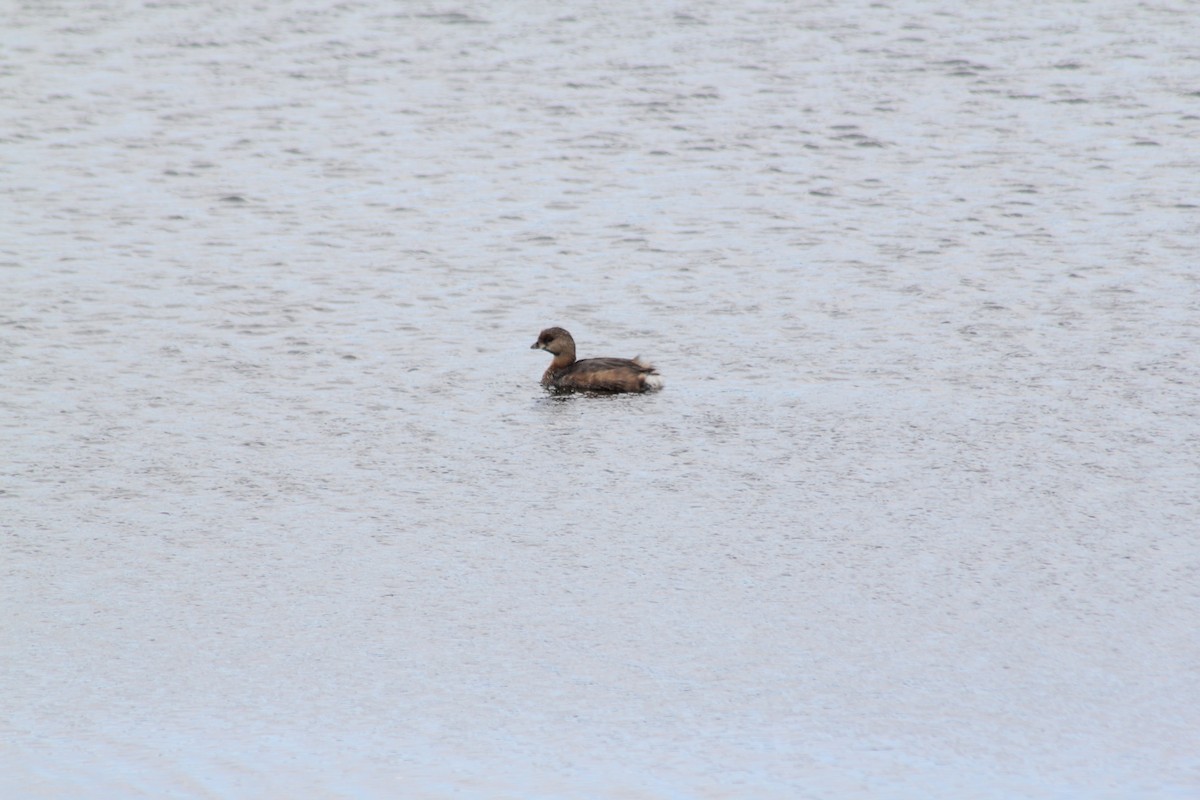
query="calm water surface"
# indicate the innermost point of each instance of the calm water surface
(285, 512)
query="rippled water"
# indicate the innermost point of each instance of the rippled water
(285, 512)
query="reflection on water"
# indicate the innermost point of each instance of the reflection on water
(285, 504)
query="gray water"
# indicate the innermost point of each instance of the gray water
(286, 514)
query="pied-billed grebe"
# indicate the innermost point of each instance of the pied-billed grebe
(592, 374)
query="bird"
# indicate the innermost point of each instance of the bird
(601, 375)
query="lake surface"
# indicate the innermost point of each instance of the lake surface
(285, 512)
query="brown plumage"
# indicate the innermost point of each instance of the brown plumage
(591, 374)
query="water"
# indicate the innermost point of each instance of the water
(285, 512)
